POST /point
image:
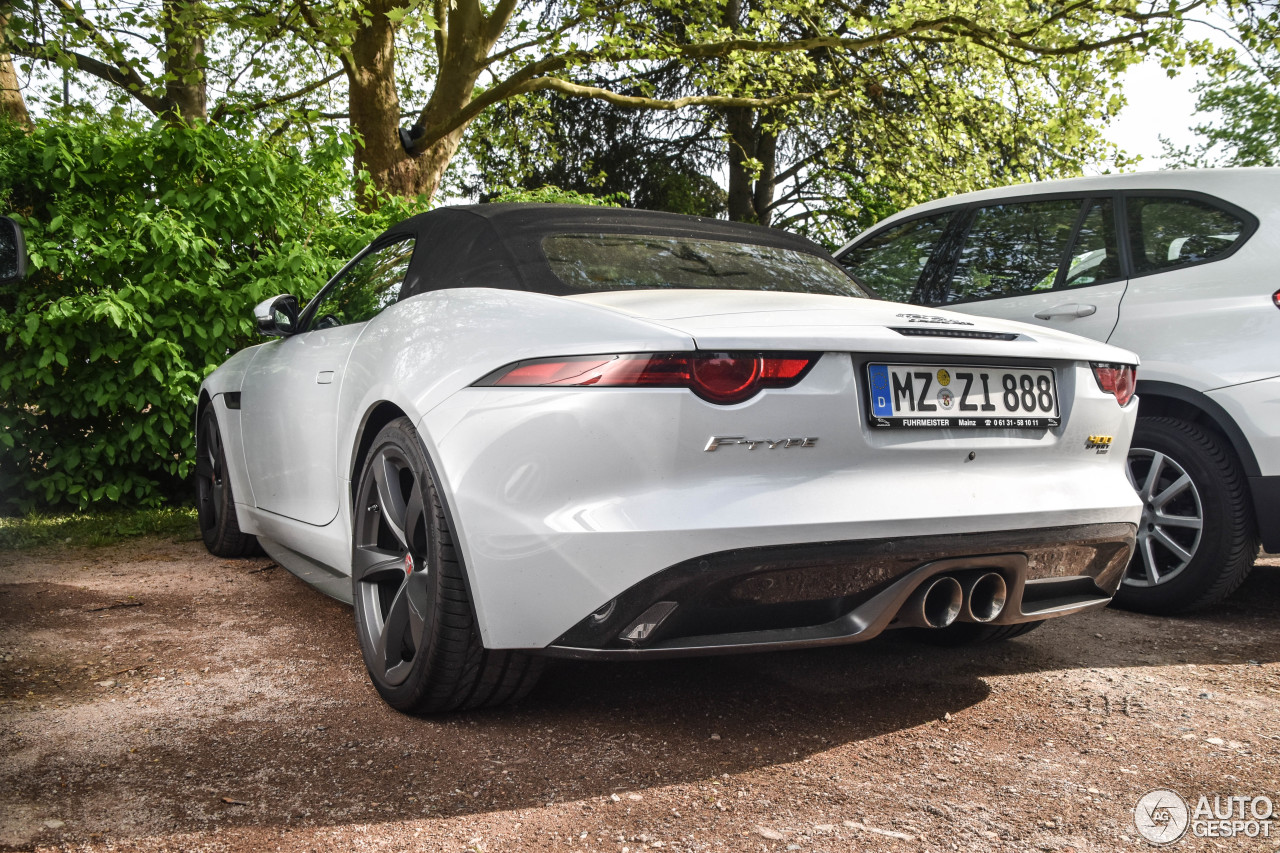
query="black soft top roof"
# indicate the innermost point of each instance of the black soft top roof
(500, 245)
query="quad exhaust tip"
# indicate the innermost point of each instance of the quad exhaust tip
(944, 599)
(984, 597)
(936, 604)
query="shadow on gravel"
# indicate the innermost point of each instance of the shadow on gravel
(326, 752)
(587, 732)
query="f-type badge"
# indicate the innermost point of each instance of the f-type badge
(752, 443)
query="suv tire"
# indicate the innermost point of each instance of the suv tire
(1186, 475)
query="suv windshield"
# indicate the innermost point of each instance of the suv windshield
(596, 262)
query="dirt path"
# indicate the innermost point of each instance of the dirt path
(155, 698)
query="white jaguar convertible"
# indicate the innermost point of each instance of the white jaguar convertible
(507, 432)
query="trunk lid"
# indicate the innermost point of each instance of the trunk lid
(741, 319)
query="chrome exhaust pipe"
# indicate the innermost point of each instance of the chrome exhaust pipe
(935, 604)
(984, 597)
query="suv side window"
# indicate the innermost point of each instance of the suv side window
(1012, 249)
(368, 287)
(891, 262)
(1095, 256)
(1169, 232)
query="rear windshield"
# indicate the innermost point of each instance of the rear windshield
(595, 262)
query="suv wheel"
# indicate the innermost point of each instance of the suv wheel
(1196, 539)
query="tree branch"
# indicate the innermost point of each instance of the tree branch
(121, 74)
(498, 20)
(128, 80)
(565, 87)
(343, 53)
(276, 101)
(953, 25)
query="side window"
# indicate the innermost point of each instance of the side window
(368, 287)
(1012, 249)
(1174, 232)
(890, 263)
(1094, 257)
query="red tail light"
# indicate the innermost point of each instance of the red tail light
(718, 377)
(1118, 379)
(1275, 297)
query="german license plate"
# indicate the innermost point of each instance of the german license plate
(956, 396)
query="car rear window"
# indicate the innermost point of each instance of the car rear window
(600, 262)
(1174, 232)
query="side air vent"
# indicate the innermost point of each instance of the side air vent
(917, 332)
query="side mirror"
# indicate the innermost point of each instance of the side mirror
(277, 316)
(13, 252)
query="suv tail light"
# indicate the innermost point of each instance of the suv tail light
(717, 377)
(1275, 297)
(1118, 379)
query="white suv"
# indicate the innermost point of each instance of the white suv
(1181, 267)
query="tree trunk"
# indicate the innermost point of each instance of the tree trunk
(185, 96)
(375, 104)
(750, 195)
(375, 109)
(12, 104)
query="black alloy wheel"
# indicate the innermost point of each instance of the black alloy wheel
(215, 502)
(414, 620)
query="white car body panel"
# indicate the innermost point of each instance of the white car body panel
(562, 498)
(1255, 408)
(1092, 315)
(301, 374)
(1206, 328)
(606, 501)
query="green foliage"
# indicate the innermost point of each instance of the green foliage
(149, 248)
(1240, 102)
(555, 195)
(821, 115)
(647, 160)
(103, 528)
(1245, 130)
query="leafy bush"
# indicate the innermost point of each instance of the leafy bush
(149, 247)
(555, 195)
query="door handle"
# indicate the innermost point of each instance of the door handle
(1073, 309)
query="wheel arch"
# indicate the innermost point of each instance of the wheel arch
(202, 403)
(378, 416)
(1165, 399)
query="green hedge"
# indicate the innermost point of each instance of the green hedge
(149, 248)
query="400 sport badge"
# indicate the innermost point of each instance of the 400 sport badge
(508, 432)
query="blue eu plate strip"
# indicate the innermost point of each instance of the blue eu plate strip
(880, 405)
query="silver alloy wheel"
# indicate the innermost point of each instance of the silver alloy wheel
(1172, 518)
(390, 566)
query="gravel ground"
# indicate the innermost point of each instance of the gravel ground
(155, 698)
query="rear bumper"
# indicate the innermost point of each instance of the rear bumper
(802, 596)
(565, 498)
(1251, 407)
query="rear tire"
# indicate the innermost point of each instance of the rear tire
(417, 632)
(215, 503)
(1197, 539)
